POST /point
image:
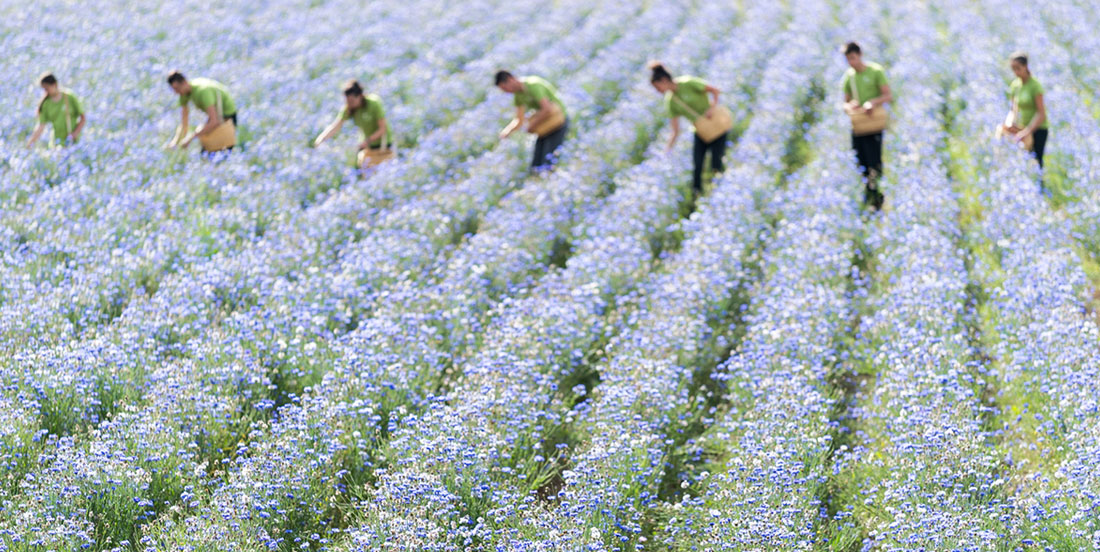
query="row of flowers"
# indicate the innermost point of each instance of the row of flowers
(288, 256)
(917, 470)
(656, 388)
(155, 227)
(1045, 338)
(760, 468)
(224, 393)
(525, 408)
(535, 316)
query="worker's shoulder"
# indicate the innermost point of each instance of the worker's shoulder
(535, 79)
(688, 79)
(876, 67)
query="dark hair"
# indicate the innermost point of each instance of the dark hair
(45, 78)
(852, 48)
(1019, 57)
(176, 76)
(660, 72)
(502, 76)
(353, 88)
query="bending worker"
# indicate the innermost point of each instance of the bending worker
(686, 96)
(366, 111)
(212, 98)
(550, 121)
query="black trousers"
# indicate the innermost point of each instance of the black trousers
(717, 149)
(1040, 137)
(869, 153)
(545, 147)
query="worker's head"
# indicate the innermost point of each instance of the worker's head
(353, 94)
(179, 83)
(660, 77)
(507, 82)
(48, 82)
(854, 54)
(1018, 62)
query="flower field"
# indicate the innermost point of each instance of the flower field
(273, 351)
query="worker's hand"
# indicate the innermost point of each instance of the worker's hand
(1023, 134)
(868, 107)
(75, 135)
(710, 112)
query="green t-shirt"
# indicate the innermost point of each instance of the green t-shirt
(367, 118)
(691, 91)
(1024, 95)
(63, 114)
(205, 92)
(535, 89)
(869, 82)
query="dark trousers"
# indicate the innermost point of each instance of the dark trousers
(869, 153)
(699, 150)
(545, 147)
(1040, 137)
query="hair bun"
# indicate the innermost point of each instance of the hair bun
(660, 73)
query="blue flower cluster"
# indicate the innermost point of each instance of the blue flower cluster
(1045, 339)
(918, 470)
(274, 351)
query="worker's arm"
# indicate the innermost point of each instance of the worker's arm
(517, 122)
(542, 114)
(1040, 116)
(213, 119)
(675, 124)
(850, 103)
(181, 132)
(884, 96)
(377, 135)
(212, 122)
(329, 131)
(38, 130)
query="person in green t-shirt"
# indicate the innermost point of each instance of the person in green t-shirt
(61, 109)
(686, 96)
(209, 96)
(865, 90)
(535, 93)
(1028, 115)
(367, 112)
